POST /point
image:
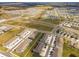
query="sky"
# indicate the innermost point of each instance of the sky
(33, 3)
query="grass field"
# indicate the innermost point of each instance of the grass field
(6, 16)
(68, 50)
(39, 27)
(8, 35)
(30, 25)
(3, 48)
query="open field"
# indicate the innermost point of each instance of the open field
(30, 25)
(68, 50)
(3, 48)
(8, 35)
(6, 16)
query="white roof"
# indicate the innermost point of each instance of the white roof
(2, 20)
(2, 55)
(14, 43)
(17, 40)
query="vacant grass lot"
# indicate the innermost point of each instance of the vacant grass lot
(3, 48)
(6, 16)
(68, 50)
(30, 25)
(8, 35)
